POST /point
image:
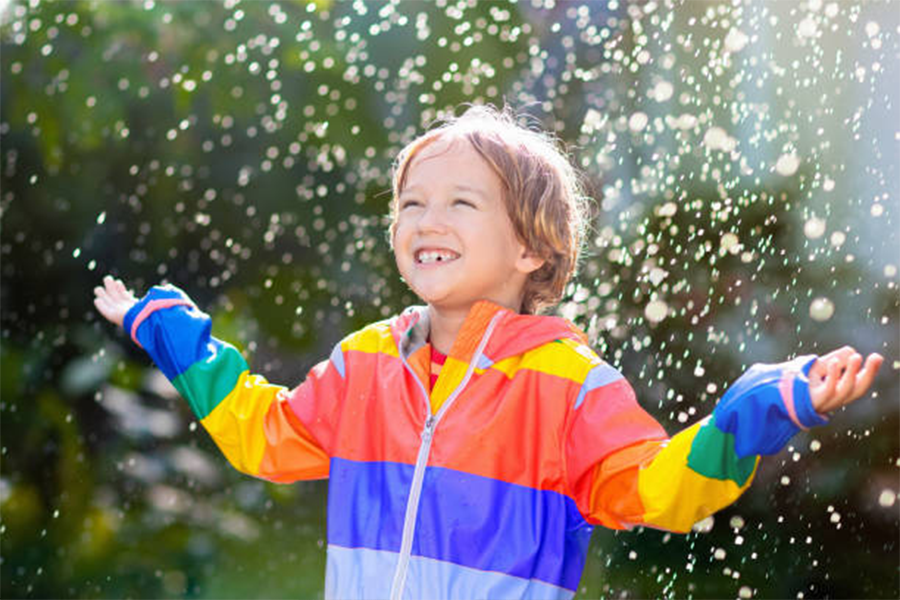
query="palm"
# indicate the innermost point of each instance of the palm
(113, 300)
(837, 378)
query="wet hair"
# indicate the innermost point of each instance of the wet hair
(542, 192)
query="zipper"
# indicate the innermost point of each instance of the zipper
(415, 491)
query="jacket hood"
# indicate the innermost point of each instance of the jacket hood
(512, 333)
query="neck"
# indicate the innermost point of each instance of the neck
(447, 322)
(445, 325)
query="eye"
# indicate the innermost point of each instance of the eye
(404, 204)
(461, 202)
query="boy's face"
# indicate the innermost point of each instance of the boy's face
(453, 240)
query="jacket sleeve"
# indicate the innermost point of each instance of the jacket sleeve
(642, 478)
(256, 424)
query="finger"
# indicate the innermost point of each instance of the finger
(121, 287)
(842, 353)
(819, 371)
(848, 378)
(110, 283)
(825, 399)
(103, 307)
(99, 292)
(865, 377)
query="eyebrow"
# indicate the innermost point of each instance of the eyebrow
(458, 187)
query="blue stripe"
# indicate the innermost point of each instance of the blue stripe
(337, 359)
(597, 377)
(363, 573)
(184, 340)
(465, 519)
(753, 410)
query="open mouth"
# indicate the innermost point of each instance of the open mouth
(435, 256)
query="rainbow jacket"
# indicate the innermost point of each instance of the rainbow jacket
(536, 440)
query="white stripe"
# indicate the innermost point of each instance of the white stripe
(359, 573)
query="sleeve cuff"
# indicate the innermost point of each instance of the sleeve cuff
(156, 298)
(794, 387)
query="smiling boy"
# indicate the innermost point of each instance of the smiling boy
(471, 444)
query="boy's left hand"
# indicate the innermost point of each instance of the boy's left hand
(836, 380)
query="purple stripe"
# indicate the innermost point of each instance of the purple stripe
(465, 519)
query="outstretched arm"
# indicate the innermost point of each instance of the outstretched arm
(673, 483)
(254, 423)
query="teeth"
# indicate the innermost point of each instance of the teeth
(430, 256)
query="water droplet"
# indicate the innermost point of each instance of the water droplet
(821, 309)
(787, 164)
(730, 243)
(736, 40)
(638, 121)
(656, 311)
(814, 228)
(663, 91)
(717, 138)
(807, 28)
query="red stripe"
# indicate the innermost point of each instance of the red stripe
(502, 429)
(608, 420)
(150, 308)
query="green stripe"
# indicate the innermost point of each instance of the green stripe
(206, 383)
(712, 455)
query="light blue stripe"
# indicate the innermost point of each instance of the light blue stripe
(358, 573)
(337, 359)
(597, 377)
(363, 573)
(484, 362)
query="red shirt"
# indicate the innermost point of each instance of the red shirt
(437, 361)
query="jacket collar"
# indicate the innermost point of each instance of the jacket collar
(514, 334)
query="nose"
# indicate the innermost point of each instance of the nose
(432, 219)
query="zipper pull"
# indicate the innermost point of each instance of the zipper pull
(429, 428)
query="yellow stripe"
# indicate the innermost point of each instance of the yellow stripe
(674, 496)
(568, 359)
(373, 339)
(236, 424)
(451, 376)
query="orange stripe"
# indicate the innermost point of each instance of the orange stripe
(291, 453)
(614, 500)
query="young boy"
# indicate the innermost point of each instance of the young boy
(471, 444)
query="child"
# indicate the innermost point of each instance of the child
(471, 444)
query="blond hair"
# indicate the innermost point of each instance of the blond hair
(542, 193)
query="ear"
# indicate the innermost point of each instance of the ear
(528, 262)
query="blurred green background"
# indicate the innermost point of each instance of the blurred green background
(743, 165)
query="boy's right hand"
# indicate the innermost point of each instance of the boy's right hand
(113, 300)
